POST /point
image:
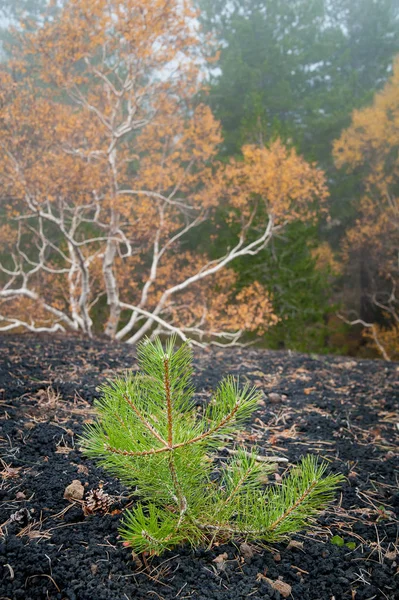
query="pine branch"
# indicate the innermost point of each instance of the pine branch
(259, 457)
(238, 486)
(150, 452)
(168, 400)
(145, 422)
(168, 446)
(292, 508)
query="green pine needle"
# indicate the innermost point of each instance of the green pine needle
(150, 435)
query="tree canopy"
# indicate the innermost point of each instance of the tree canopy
(175, 170)
(108, 162)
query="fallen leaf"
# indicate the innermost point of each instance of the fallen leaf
(309, 390)
(280, 586)
(83, 469)
(63, 450)
(220, 561)
(295, 544)
(283, 588)
(10, 472)
(391, 554)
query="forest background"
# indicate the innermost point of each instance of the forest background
(298, 87)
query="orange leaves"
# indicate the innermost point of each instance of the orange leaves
(254, 309)
(378, 337)
(8, 237)
(176, 153)
(325, 260)
(111, 163)
(371, 145)
(277, 178)
(373, 134)
(250, 310)
(213, 305)
(144, 36)
(36, 139)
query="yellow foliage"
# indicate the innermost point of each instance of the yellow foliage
(276, 178)
(325, 259)
(103, 132)
(387, 338)
(214, 306)
(370, 146)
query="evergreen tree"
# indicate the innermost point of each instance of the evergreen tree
(297, 69)
(150, 434)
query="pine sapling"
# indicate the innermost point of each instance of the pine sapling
(150, 435)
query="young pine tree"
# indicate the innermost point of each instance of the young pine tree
(150, 435)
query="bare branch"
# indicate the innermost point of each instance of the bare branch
(17, 323)
(373, 329)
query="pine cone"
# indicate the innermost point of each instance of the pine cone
(97, 501)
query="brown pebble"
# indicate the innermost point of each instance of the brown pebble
(74, 491)
(274, 398)
(247, 552)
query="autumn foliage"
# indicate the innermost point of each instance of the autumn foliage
(108, 164)
(370, 147)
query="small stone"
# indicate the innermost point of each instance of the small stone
(247, 552)
(275, 398)
(74, 491)
(277, 557)
(93, 569)
(20, 496)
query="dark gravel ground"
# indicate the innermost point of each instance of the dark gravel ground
(345, 411)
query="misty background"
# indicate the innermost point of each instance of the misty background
(294, 70)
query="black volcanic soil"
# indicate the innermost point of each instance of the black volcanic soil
(343, 410)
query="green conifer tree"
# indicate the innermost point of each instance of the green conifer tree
(149, 434)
